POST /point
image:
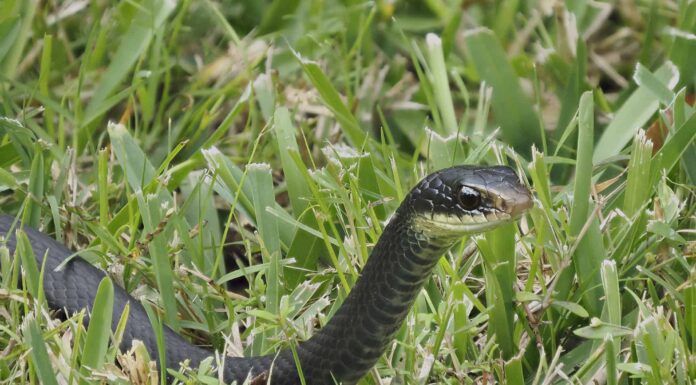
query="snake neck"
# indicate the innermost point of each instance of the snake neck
(360, 331)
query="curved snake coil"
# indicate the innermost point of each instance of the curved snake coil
(437, 213)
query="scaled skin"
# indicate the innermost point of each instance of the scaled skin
(429, 221)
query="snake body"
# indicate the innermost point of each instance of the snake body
(437, 212)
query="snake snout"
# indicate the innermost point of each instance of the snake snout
(516, 199)
(520, 203)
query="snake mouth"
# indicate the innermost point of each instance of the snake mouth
(455, 226)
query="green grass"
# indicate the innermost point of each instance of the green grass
(184, 146)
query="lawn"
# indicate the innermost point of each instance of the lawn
(232, 163)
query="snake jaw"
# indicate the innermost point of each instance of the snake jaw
(452, 228)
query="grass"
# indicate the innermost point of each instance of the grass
(231, 164)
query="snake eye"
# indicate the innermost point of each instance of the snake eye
(469, 198)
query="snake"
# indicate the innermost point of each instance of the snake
(438, 212)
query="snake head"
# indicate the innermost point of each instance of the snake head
(461, 200)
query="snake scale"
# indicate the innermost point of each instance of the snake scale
(441, 209)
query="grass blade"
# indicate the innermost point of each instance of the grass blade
(102, 178)
(44, 76)
(154, 223)
(355, 135)
(513, 372)
(16, 28)
(690, 312)
(612, 310)
(277, 15)
(149, 18)
(441, 89)
(32, 211)
(138, 169)
(676, 144)
(32, 275)
(590, 251)
(39, 355)
(498, 251)
(633, 114)
(305, 247)
(261, 182)
(583, 164)
(511, 107)
(638, 181)
(99, 331)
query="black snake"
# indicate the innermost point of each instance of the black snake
(439, 211)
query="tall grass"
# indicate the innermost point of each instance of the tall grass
(231, 164)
